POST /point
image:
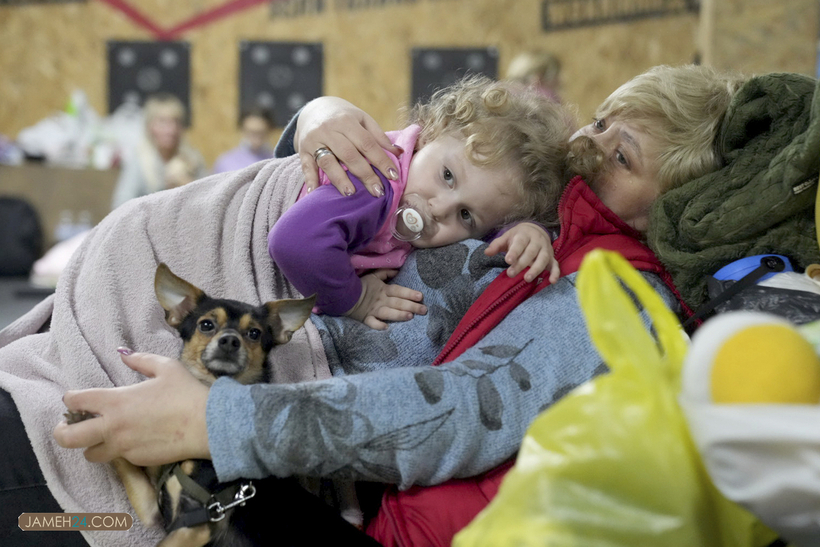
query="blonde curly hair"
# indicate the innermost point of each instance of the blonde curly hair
(505, 123)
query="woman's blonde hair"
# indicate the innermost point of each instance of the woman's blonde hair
(504, 123)
(681, 108)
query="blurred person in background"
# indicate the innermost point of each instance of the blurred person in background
(539, 70)
(255, 125)
(162, 159)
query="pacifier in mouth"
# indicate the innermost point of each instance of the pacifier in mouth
(410, 219)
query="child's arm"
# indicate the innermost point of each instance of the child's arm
(311, 244)
(526, 244)
(380, 302)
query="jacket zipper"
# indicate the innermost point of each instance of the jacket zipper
(475, 322)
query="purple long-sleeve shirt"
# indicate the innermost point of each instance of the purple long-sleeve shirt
(312, 242)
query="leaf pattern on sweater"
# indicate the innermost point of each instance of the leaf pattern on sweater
(431, 382)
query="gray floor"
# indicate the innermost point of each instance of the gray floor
(17, 297)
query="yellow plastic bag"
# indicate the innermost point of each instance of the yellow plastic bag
(612, 464)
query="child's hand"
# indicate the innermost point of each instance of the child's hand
(381, 302)
(526, 244)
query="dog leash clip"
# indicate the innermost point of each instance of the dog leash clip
(216, 510)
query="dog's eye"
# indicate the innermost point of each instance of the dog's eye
(206, 325)
(254, 334)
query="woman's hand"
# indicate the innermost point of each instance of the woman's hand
(160, 420)
(353, 137)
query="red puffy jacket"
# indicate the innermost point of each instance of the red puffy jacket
(432, 515)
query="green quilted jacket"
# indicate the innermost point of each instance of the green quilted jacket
(760, 201)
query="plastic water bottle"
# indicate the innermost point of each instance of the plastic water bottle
(65, 226)
(83, 222)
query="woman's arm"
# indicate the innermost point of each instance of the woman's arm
(416, 425)
(350, 133)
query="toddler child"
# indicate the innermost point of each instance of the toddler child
(480, 155)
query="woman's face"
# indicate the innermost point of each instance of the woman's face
(165, 130)
(629, 183)
(256, 132)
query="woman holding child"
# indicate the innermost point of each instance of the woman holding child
(422, 425)
(416, 424)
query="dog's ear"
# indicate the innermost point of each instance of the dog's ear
(292, 315)
(177, 297)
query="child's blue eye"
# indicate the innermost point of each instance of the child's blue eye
(448, 176)
(466, 216)
(206, 325)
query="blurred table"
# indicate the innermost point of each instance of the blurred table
(51, 190)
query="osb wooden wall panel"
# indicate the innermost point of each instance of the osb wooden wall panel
(759, 36)
(46, 51)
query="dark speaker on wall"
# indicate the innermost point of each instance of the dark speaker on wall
(137, 70)
(437, 68)
(279, 76)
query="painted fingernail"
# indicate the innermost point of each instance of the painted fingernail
(379, 190)
(309, 190)
(392, 174)
(348, 191)
(124, 351)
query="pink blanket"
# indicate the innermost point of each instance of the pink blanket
(212, 233)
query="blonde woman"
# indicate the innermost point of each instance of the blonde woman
(539, 70)
(162, 159)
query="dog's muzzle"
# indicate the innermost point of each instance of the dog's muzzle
(225, 355)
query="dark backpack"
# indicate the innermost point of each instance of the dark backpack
(21, 237)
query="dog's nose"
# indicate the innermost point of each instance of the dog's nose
(229, 343)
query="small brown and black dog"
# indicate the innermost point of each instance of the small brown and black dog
(220, 338)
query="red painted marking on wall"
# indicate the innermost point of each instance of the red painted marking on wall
(214, 14)
(132, 13)
(198, 20)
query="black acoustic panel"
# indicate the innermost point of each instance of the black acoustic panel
(279, 76)
(437, 68)
(137, 70)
